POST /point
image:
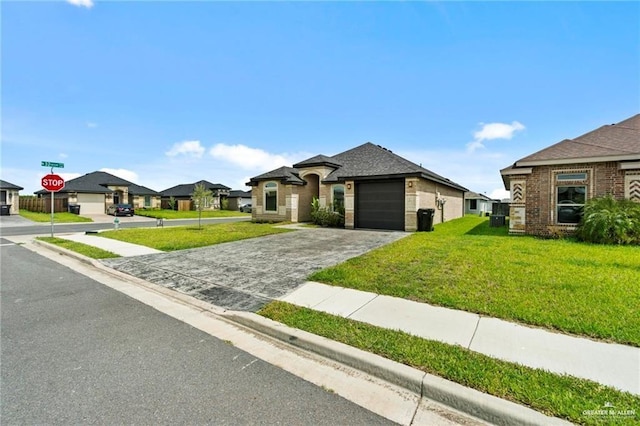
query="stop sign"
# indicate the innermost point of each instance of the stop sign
(52, 183)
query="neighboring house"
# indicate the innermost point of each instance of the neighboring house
(238, 198)
(377, 189)
(478, 204)
(550, 187)
(10, 197)
(95, 191)
(182, 195)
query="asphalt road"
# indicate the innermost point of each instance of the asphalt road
(77, 352)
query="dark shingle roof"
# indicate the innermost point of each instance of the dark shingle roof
(612, 140)
(185, 190)
(284, 174)
(97, 182)
(367, 161)
(239, 194)
(8, 185)
(475, 196)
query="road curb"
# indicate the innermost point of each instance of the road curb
(470, 401)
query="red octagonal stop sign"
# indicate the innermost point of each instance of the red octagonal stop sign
(52, 183)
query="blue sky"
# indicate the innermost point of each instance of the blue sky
(164, 93)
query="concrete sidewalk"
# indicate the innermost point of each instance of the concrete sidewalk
(606, 363)
(114, 246)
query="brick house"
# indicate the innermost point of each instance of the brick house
(550, 187)
(377, 189)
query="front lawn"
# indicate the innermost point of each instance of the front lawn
(190, 214)
(63, 217)
(186, 237)
(552, 394)
(579, 288)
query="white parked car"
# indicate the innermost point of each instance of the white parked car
(245, 208)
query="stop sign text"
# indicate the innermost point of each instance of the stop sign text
(52, 183)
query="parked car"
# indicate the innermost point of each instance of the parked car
(121, 210)
(245, 208)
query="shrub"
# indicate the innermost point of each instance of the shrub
(326, 216)
(610, 221)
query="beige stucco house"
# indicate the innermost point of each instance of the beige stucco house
(377, 189)
(10, 197)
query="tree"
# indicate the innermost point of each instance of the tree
(172, 203)
(202, 197)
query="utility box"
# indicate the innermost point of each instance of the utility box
(425, 219)
(496, 220)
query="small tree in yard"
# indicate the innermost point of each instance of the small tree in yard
(172, 203)
(201, 196)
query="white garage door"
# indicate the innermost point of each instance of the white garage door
(91, 203)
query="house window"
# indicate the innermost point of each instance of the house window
(271, 197)
(571, 176)
(147, 200)
(570, 203)
(338, 198)
(473, 204)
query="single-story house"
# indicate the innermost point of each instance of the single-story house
(550, 187)
(182, 195)
(238, 198)
(478, 204)
(95, 191)
(376, 188)
(10, 197)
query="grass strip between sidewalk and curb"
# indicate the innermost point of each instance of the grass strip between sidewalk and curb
(578, 288)
(555, 395)
(62, 217)
(188, 237)
(83, 249)
(188, 214)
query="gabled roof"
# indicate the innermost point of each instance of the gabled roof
(475, 196)
(611, 142)
(367, 161)
(185, 190)
(98, 182)
(287, 175)
(8, 185)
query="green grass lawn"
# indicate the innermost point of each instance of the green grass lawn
(57, 217)
(172, 214)
(186, 237)
(84, 249)
(555, 395)
(579, 288)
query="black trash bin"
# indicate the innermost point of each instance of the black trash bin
(74, 208)
(5, 210)
(425, 219)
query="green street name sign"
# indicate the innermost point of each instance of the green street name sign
(49, 164)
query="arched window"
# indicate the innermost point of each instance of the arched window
(271, 197)
(337, 198)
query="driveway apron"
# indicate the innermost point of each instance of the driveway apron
(246, 275)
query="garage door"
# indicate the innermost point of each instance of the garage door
(91, 203)
(380, 204)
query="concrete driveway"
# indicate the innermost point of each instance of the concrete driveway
(246, 275)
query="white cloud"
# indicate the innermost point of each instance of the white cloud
(253, 158)
(63, 155)
(500, 194)
(122, 173)
(186, 148)
(81, 3)
(492, 131)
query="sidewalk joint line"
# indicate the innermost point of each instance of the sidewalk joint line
(372, 299)
(473, 336)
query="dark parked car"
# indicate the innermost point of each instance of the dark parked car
(120, 210)
(245, 208)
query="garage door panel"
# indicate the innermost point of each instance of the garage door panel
(380, 204)
(91, 203)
